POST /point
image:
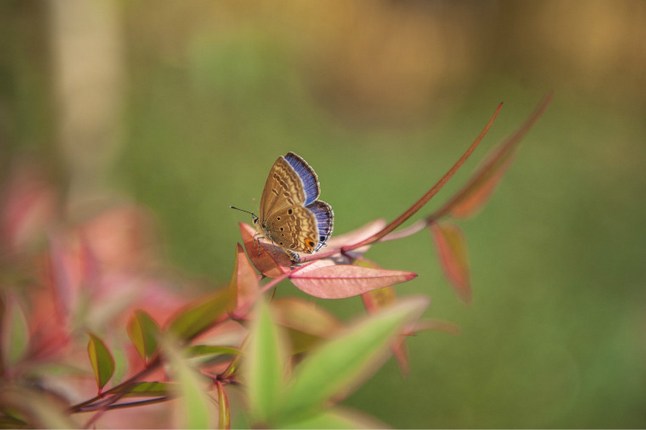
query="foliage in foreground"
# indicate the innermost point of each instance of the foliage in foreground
(88, 326)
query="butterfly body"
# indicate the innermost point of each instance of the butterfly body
(291, 216)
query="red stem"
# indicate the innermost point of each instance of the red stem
(430, 193)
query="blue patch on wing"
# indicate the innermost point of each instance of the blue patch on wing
(324, 221)
(307, 175)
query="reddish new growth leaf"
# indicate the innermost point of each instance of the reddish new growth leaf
(269, 259)
(453, 257)
(342, 281)
(483, 183)
(244, 280)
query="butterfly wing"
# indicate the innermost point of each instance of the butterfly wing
(301, 229)
(283, 188)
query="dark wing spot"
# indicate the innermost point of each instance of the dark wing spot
(290, 211)
(278, 218)
(311, 243)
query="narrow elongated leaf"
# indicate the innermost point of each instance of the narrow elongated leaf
(265, 365)
(307, 324)
(482, 184)
(343, 362)
(224, 410)
(198, 350)
(305, 316)
(270, 260)
(453, 257)
(380, 298)
(15, 332)
(151, 389)
(341, 281)
(101, 360)
(476, 193)
(244, 280)
(390, 227)
(357, 235)
(194, 403)
(143, 332)
(202, 314)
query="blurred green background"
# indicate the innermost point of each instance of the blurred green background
(183, 107)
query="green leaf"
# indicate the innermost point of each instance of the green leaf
(202, 314)
(265, 365)
(345, 361)
(16, 332)
(199, 350)
(143, 332)
(150, 389)
(101, 360)
(194, 402)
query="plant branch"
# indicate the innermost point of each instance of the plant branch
(430, 193)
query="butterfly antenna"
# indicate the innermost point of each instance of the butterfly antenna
(253, 215)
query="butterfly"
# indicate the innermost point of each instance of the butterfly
(290, 215)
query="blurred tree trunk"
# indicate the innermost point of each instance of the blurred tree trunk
(87, 59)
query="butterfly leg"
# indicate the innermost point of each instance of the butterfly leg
(256, 240)
(294, 257)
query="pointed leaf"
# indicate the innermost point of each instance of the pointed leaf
(305, 316)
(244, 280)
(200, 315)
(307, 324)
(265, 365)
(380, 298)
(357, 235)
(341, 281)
(476, 193)
(150, 389)
(483, 183)
(431, 192)
(435, 325)
(198, 350)
(453, 257)
(101, 360)
(224, 410)
(143, 332)
(269, 259)
(346, 360)
(15, 332)
(194, 403)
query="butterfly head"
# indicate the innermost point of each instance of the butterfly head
(254, 217)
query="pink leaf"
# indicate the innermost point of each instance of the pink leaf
(357, 235)
(269, 259)
(341, 281)
(244, 280)
(453, 257)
